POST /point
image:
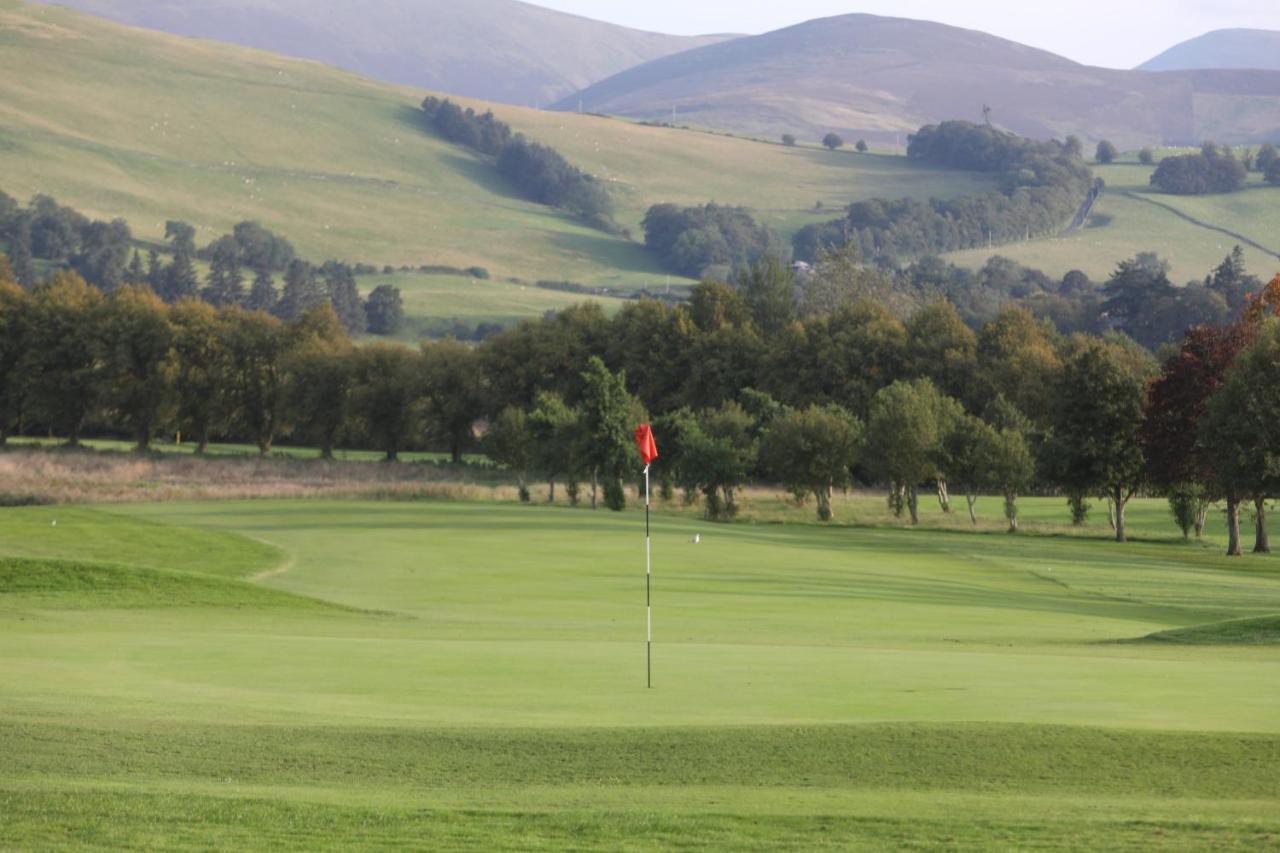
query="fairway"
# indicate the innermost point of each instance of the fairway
(313, 674)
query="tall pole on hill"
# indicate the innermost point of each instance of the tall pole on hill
(648, 452)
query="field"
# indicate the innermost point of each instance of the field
(122, 122)
(1131, 218)
(318, 674)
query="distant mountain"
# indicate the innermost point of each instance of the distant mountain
(499, 50)
(1222, 49)
(878, 78)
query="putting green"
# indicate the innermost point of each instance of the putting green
(346, 665)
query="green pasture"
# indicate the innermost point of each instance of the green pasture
(307, 675)
(130, 123)
(1131, 218)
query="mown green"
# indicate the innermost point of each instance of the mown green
(855, 685)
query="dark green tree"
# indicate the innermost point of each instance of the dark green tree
(769, 289)
(1106, 153)
(833, 141)
(138, 366)
(1095, 447)
(384, 310)
(813, 451)
(453, 384)
(180, 279)
(387, 400)
(509, 443)
(607, 447)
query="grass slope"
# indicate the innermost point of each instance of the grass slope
(1237, 632)
(124, 122)
(1194, 233)
(840, 686)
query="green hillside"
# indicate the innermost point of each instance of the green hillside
(1194, 233)
(123, 122)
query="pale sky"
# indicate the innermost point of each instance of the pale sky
(1097, 32)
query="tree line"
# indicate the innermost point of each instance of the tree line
(242, 265)
(1041, 185)
(743, 382)
(540, 172)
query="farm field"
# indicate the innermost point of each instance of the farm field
(317, 674)
(1131, 218)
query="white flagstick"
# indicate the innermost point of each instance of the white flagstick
(648, 574)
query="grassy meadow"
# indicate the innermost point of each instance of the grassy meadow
(338, 674)
(1131, 217)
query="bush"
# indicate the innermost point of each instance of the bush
(788, 140)
(833, 141)
(1106, 153)
(478, 272)
(862, 147)
(1147, 157)
(1199, 174)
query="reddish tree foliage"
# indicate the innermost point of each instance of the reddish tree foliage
(1176, 402)
(1265, 303)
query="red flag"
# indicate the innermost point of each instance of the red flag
(645, 443)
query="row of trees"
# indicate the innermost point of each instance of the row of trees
(741, 386)
(242, 266)
(74, 361)
(540, 172)
(1042, 184)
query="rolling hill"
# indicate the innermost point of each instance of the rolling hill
(879, 78)
(1221, 49)
(499, 50)
(117, 121)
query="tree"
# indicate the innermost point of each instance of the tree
(387, 397)
(1241, 428)
(1017, 360)
(1106, 153)
(61, 363)
(321, 384)
(1176, 408)
(180, 280)
(789, 140)
(717, 450)
(607, 452)
(225, 283)
(555, 430)
(813, 452)
(257, 346)
(301, 292)
(15, 307)
(139, 368)
(862, 147)
(455, 394)
(833, 141)
(1272, 172)
(384, 310)
(1134, 292)
(1095, 447)
(203, 378)
(769, 289)
(942, 348)
(344, 296)
(262, 295)
(509, 443)
(906, 436)
(1147, 157)
(986, 458)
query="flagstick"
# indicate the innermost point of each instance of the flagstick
(648, 574)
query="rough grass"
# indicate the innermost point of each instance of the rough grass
(1236, 632)
(35, 476)
(58, 584)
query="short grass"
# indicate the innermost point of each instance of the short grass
(481, 685)
(1236, 632)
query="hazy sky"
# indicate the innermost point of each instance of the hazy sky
(1098, 32)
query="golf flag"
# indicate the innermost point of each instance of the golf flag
(648, 452)
(645, 444)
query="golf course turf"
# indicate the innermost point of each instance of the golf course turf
(315, 674)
